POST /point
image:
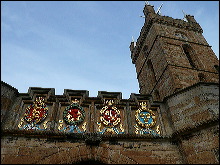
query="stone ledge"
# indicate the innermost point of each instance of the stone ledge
(78, 136)
(190, 87)
(199, 126)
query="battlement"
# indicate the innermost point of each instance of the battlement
(153, 18)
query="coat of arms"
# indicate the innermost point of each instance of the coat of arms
(73, 115)
(145, 119)
(35, 114)
(110, 117)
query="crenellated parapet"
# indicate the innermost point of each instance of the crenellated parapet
(40, 110)
(151, 18)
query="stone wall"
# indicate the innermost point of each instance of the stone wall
(195, 114)
(202, 147)
(8, 96)
(194, 106)
(186, 120)
(26, 150)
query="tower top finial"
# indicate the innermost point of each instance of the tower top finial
(147, 3)
(184, 18)
(148, 9)
(184, 14)
(132, 39)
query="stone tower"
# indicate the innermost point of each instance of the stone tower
(176, 65)
(171, 54)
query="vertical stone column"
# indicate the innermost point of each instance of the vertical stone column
(128, 118)
(92, 120)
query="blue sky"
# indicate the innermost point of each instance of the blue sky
(83, 45)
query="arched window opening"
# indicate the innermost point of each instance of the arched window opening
(188, 52)
(201, 77)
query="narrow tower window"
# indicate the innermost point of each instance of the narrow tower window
(157, 95)
(188, 52)
(145, 48)
(216, 67)
(151, 71)
(201, 77)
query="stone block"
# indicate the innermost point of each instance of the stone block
(44, 151)
(206, 157)
(45, 161)
(14, 159)
(145, 160)
(115, 147)
(64, 156)
(84, 150)
(201, 116)
(9, 150)
(74, 152)
(130, 153)
(126, 160)
(105, 153)
(114, 156)
(188, 149)
(104, 145)
(166, 154)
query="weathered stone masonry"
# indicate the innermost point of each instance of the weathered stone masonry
(180, 132)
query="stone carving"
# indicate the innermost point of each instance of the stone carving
(35, 114)
(110, 117)
(73, 115)
(146, 119)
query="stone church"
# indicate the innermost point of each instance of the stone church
(173, 119)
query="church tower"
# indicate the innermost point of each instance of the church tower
(177, 67)
(171, 54)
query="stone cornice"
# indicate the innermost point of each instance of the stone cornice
(179, 23)
(77, 136)
(95, 139)
(189, 88)
(182, 133)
